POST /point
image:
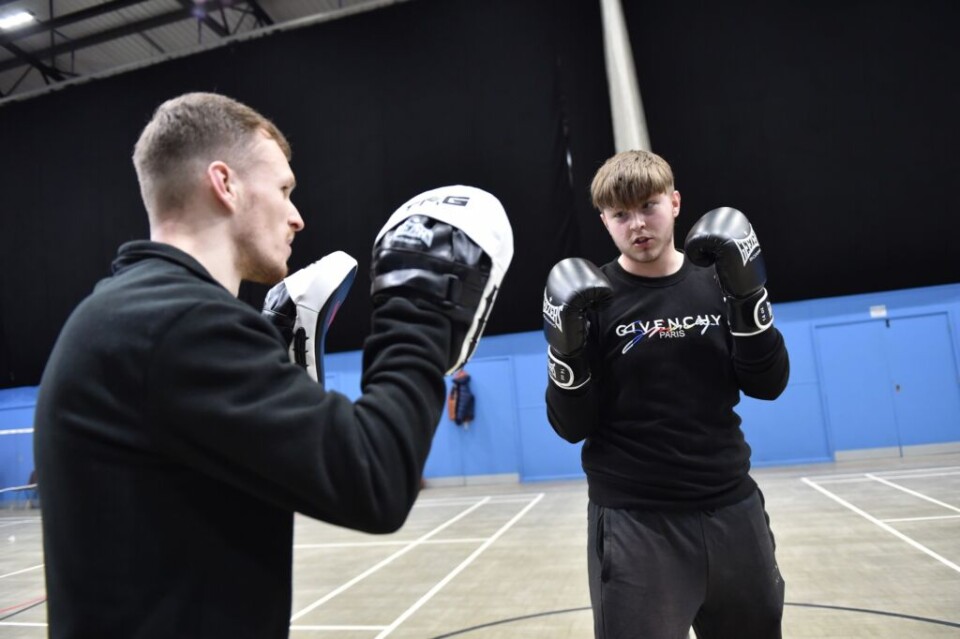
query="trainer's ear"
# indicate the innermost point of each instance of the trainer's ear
(223, 182)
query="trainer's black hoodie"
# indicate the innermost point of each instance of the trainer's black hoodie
(175, 441)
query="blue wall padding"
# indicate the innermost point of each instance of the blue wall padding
(16, 438)
(846, 357)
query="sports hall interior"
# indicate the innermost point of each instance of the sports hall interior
(831, 125)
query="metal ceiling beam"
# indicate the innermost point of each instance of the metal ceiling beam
(66, 19)
(47, 71)
(110, 34)
(212, 24)
(258, 12)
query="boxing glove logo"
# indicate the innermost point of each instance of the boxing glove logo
(749, 246)
(414, 231)
(551, 313)
(453, 200)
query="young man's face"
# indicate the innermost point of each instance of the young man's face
(269, 218)
(644, 235)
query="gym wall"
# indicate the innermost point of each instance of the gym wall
(378, 107)
(872, 375)
(830, 124)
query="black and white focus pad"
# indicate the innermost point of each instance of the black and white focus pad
(302, 307)
(451, 247)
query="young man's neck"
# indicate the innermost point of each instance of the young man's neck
(667, 263)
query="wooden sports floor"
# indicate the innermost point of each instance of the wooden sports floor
(869, 548)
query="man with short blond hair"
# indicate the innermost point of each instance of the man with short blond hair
(647, 357)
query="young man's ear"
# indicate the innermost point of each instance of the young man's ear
(675, 203)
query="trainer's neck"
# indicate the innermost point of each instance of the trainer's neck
(212, 251)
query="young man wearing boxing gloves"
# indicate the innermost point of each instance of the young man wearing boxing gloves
(647, 357)
(178, 429)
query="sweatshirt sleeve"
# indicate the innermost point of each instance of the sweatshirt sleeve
(762, 364)
(573, 414)
(226, 401)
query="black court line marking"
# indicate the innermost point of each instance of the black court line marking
(463, 631)
(939, 622)
(501, 622)
(884, 613)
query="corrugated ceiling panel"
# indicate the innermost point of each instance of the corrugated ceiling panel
(179, 37)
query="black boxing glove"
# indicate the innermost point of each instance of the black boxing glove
(574, 286)
(725, 238)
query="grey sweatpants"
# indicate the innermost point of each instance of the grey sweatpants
(654, 574)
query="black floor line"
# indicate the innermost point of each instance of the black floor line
(501, 622)
(939, 622)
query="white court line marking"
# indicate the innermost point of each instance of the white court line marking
(18, 522)
(513, 499)
(449, 501)
(913, 492)
(23, 624)
(337, 628)
(15, 488)
(413, 544)
(919, 475)
(924, 469)
(456, 571)
(365, 544)
(11, 574)
(866, 477)
(849, 480)
(937, 471)
(874, 520)
(499, 499)
(923, 518)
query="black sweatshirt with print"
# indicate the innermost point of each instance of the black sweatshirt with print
(658, 416)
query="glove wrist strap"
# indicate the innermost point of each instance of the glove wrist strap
(750, 315)
(567, 372)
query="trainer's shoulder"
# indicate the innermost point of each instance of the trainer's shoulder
(155, 293)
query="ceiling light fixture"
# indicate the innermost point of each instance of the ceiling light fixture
(14, 20)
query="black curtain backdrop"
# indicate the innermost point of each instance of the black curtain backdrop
(378, 107)
(831, 124)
